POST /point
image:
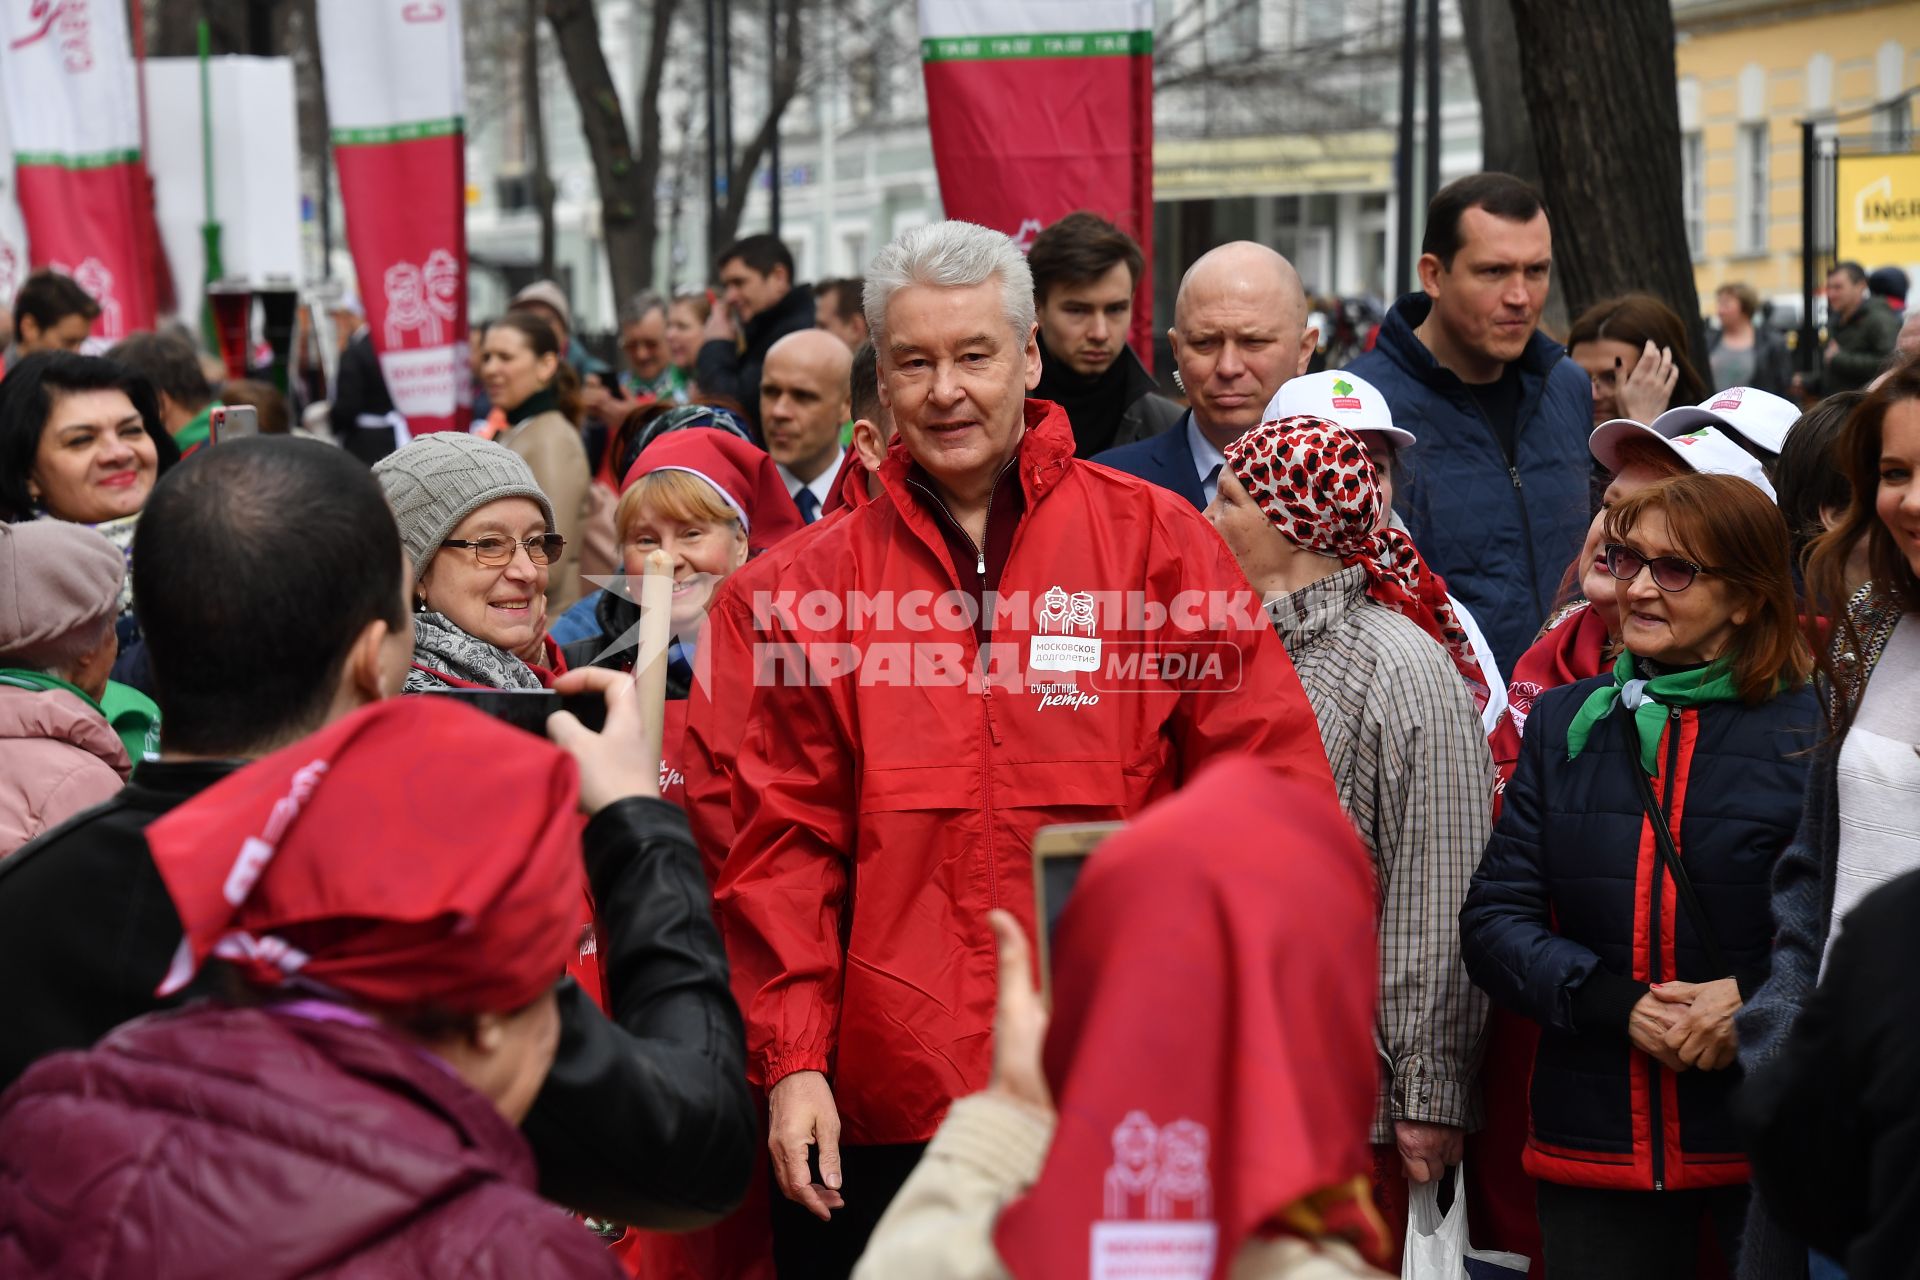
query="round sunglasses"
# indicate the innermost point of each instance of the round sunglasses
(1670, 573)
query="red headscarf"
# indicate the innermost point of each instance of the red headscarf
(1317, 485)
(1211, 1051)
(743, 475)
(415, 852)
(1571, 649)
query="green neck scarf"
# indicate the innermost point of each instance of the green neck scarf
(1650, 701)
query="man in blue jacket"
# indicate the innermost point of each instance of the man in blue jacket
(1495, 494)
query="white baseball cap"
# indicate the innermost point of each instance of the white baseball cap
(1708, 450)
(1336, 396)
(1758, 417)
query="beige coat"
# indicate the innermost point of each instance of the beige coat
(988, 1152)
(551, 447)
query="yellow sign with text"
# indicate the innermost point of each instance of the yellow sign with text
(1877, 210)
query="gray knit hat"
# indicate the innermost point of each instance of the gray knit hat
(440, 479)
(55, 578)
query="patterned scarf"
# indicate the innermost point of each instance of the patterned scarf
(1314, 481)
(445, 650)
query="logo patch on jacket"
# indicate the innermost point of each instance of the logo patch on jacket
(1066, 641)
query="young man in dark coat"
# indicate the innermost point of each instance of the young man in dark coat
(1086, 275)
(760, 305)
(273, 599)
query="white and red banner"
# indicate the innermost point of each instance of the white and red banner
(1042, 107)
(396, 97)
(70, 93)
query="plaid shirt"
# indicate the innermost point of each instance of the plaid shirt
(1415, 777)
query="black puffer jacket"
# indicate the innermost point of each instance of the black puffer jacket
(1572, 916)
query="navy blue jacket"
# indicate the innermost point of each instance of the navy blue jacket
(1165, 460)
(1563, 925)
(1501, 530)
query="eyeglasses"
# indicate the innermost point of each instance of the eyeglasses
(1670, 573)
(494, 551)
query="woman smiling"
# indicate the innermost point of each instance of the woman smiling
(480, 535)
(80, 441)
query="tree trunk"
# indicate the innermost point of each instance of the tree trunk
(537, 139)
(784, 81)
(1506, 132)
(1602, 97)
(1493, 50)
(628, 222)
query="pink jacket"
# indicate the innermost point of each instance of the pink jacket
(58, 756)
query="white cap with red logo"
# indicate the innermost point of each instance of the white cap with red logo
(1708, 450)
(1336, 396)
(1758, 417)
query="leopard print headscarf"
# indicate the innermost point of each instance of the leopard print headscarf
(1315, 482)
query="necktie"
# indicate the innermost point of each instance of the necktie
(1211, 485)
(809, 505)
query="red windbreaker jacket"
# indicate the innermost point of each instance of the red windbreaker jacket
(886, 795)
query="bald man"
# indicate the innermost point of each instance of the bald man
(1239, 331)
(804, 392)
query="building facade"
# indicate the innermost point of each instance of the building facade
(1749, 72)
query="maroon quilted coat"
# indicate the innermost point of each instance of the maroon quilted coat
(220, 1142)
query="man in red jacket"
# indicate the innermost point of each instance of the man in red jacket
(1010, 638)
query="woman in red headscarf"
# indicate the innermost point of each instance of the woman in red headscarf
(709, 500)
(1203, 1097)
(397, 932)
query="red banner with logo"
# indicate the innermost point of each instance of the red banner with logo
(73, 114)
(396, 97)
(1042, 107)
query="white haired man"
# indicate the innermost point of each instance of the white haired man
(902, 753)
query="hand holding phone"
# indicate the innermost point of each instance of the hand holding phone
(1060, 853)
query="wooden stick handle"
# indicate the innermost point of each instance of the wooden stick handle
(650, 674)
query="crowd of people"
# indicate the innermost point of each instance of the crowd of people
(1499, 751)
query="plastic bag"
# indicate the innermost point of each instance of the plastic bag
(1437, 1247)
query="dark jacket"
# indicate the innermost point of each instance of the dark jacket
(648, 1121)
(728, 370)
(1866, 338)
(229, 1142)
(1500, 528)
(1831, 1122)
(1165, 459)
(616, 617)
(1563, 925)
(361, 403)
(1118, 407)
(1151, 415)
(1772, 362)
